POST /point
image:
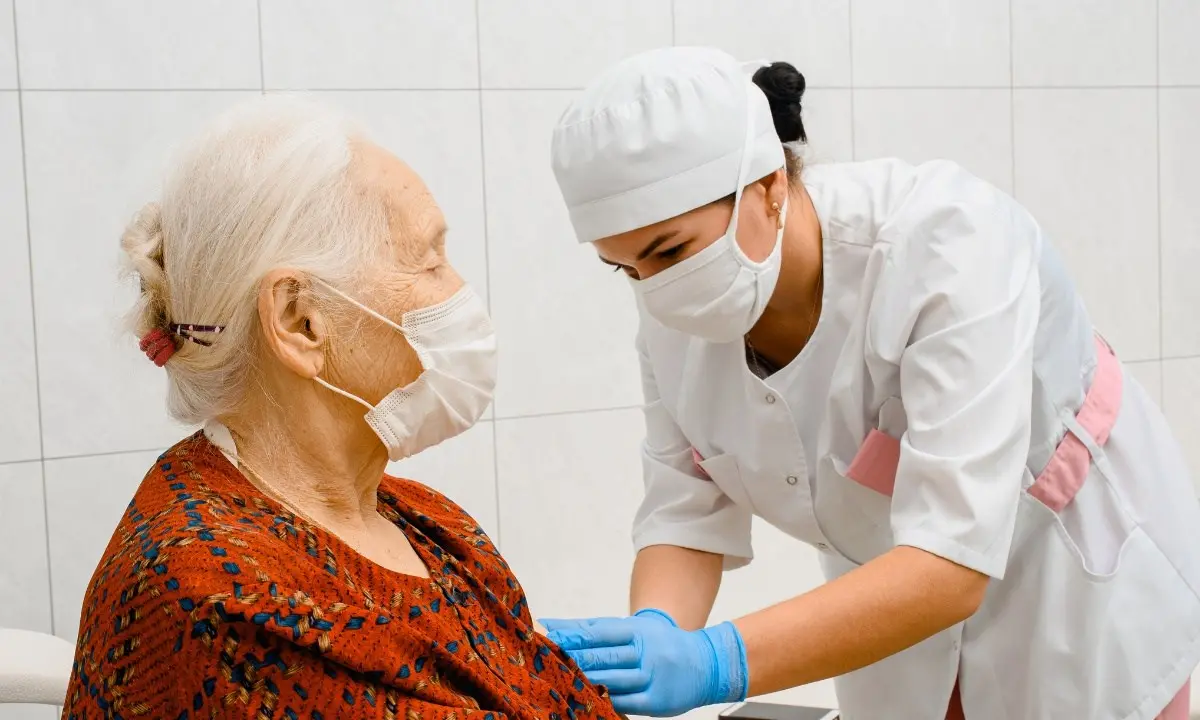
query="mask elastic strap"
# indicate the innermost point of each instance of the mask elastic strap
(381, 318)
(744, 163)
(343, 393)
(372, 313)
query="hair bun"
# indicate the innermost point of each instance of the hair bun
(784, 86)
(142, 242)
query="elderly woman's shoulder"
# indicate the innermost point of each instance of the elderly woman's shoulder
(418, 500)
(191, 520)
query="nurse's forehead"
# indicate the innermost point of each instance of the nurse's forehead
(637, 244)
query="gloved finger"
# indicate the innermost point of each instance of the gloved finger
(604, 632)
(639, 703)
(572, 633)
(622, 657)
(621, 681)
(565, 623)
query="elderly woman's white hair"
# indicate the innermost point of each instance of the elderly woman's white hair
(268, 186)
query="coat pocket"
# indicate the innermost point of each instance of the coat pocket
(1095, 525)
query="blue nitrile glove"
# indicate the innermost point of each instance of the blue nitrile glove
(655, 613)
(653, 668)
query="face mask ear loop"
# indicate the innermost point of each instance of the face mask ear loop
(360, 306)
(743, 168)
(343, 393)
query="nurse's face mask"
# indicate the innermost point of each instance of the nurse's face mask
(456, 344)
(718, 293)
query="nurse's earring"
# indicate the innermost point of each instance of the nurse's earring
(778, 215)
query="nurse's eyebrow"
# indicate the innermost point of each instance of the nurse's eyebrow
(654, 244)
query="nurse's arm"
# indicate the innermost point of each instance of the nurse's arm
(891, 603)
(679, 581)
(681, 508)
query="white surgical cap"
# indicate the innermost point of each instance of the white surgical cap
(657, 135)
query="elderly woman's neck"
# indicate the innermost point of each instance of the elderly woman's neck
(327, 468)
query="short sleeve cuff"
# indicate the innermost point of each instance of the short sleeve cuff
(991, 565)
(736, 551)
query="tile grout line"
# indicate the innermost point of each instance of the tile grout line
(881, 88)
(567, 413)
(850, 52)
(1158, 170)
(493, 420)
(487, 257)
(1012, 102)
(82, 456)
(262, 66)
(674, 41)
(37, 368)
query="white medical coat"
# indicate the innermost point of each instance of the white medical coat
(949, 325)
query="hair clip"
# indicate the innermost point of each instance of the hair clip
(186, 332)
(159, 344)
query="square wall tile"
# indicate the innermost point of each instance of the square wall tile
(930, 43)
(1178, 49)
(566, 322)
(1149, 375)
(25, 571)
(438, 134)
(93, 160)
(85, 499)
(463, 469)
(564, 44)
(1179, 158)
(971, 127)
(827, 116)
(1086, 167)
(569, 487)
(387, 44)
(19, 435)
(138, 44)
(1181, 406)
(8, 47)
(1087, 43)
(813, 35)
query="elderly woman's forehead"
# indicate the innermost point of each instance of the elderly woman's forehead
(410, 205)
(377, 168)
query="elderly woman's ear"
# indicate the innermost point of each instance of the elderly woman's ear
(293, 326)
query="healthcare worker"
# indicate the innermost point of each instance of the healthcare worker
(887, 362)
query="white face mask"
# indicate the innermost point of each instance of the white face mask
(456, 344)
(718, 293)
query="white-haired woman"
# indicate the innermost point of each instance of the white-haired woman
(293, 276)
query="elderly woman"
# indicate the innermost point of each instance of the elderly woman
(292, 275)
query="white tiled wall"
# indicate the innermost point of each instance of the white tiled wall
(1058, 102)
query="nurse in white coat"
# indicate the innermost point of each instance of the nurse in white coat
(887, 362)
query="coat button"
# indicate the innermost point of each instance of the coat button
(792, 479)
(770, 399)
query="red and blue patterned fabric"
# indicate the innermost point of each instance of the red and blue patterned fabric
(211, 601)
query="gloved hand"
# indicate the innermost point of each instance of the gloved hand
(651, 667)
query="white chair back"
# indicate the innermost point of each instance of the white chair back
(35, 668)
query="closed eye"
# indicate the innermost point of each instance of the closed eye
(671, 253)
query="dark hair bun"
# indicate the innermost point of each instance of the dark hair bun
(783, 85)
